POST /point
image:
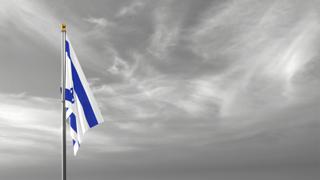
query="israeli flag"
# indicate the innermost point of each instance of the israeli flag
(81, 108)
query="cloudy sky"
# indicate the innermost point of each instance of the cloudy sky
(189, 89)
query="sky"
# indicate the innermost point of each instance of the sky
(205, 89)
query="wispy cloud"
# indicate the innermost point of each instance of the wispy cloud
(130, 9)
(32, 18)
(28, 124)
(263, 64)
(99, 22)
(165, 34)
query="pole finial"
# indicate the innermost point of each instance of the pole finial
(63, 27)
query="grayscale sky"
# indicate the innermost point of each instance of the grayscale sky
(189, 89)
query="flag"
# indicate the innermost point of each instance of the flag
(82, 111)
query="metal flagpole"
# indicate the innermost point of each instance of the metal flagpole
(63, 84)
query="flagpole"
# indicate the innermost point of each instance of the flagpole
(63, 84)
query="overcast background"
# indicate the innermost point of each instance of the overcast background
(189, 89)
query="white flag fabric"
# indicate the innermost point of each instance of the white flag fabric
(81, 108)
